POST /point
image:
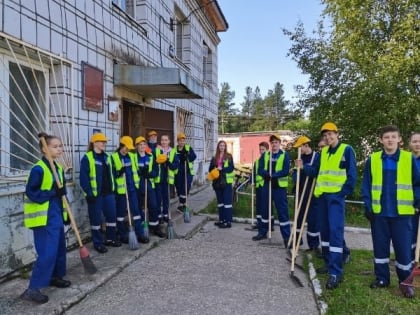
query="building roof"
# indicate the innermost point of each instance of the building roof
(212, 9)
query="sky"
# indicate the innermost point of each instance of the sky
(253, 50)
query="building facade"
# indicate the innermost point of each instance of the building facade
(73, 68)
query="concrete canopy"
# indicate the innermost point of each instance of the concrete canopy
(157, 82)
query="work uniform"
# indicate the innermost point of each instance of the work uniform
(128, 165)
(185, 173)
(224, 194)
(44, 214)
(312, 219)
(336, 179)
(155, 151)
(390, 189)
(279, 182)
(259, 183)
(167, 178)
(97, 182)
(148, 171)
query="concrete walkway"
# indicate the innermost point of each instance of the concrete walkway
(211, 272)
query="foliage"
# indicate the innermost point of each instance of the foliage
(363, 72)
(226, 108)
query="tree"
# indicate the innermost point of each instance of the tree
(363, 72)
(226, 108)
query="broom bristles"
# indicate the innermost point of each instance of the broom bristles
(146, 230)
(133, 244)
(88, 265)
(187, 217)
(170, 232)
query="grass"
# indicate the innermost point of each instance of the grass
(354, 296)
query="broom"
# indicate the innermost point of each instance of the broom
(187, 215)
(170, 232)
(133, 244)
(146, 217)
(270, 171)
(416, 268)
(87, 263)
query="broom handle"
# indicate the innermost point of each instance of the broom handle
(270, 167)
(252, 187)
(145, 199)
(296, 209)
(186, 183)
(305, 214)
(59, 185)
(128, 202)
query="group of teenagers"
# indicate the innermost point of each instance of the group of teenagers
(137, 177)
(390, 192)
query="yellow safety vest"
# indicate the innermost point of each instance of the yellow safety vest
(405, 195)
(118, 166)
(229, 176)
(151, 161)
(259, 180)
(36, 214)
(92, 173)
(331, 177)
(171, 173)
(190, 164)
(282, 181)
(157, 178)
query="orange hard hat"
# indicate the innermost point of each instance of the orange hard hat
(140, 139)
(329, 126)
(98, 137)
(127, 141)
(301, 141)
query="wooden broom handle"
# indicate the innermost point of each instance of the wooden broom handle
(60, 185)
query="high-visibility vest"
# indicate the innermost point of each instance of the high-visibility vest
(405, 195)
(36, 214)
(92, 172)
(190, 164)
(331, 177)
(259, 180)
(150, 167)
(171, 173)
(229, 176)
(158, 152)
(282, 181)
(119, 181)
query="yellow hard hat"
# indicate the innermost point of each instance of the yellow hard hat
(329, 126)
(213, 174)
(98, 137)
(181, 135)
(161, 158)
(127, 141)
(275, 137)
(140, 139)
(152, 133)
(300, 141)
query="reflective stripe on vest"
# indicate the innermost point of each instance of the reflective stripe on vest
(92, 172)
(405, 195)
(282, 181)
(171, 173)
(36, 214)
(118, 166)
(330, 177)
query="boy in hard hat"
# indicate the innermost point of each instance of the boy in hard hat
(414, 143)
(258, 182)
(97, 183)
(184, 176)
(336, 179)
(277, 174)
(153, 148)
(311, 158)
(391, 193)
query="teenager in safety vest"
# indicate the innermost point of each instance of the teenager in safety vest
(169, 163)
(186, 157)
(153, 148)
(414, 144)
(258, 182)
(97, 182)
(148, 171)
(125, 164)
(391, 192)
(223, 162)
(280, 165)
(45, 215)
(336, 179)
(308, 157)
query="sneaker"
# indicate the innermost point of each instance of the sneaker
(59, 282)
(100, 248)
(217, 223)
(333, 282)
(379, 284)
(34, 295)
(180, 209)
(124, 240)
(112, 243)
(259, 237)
(143, 239)
(407, 290)
(322, 270)
(225, 225)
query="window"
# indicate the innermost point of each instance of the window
(184, 122)
(208, 139)
(182, 37)
(128, 6)
(207, 64)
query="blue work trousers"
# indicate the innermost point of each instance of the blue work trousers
(50, 246)
(224, 203)
(152, 205)
(137, 217)
(181, 190)
(107, 206)
(312, 220)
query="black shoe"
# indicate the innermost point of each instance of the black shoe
(165, 219)
(217, 223)
(322, 270)
(59, 283)
(333, 282)
(259, 237)
(159, 233)
(112, 243)
(225, 225)
(143, 239)
(180, 209)
(407, 290)
(124, 240)
(34, 295)
(100, 249)
(378, 284)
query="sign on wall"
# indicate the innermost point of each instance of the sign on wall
(93, 88)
